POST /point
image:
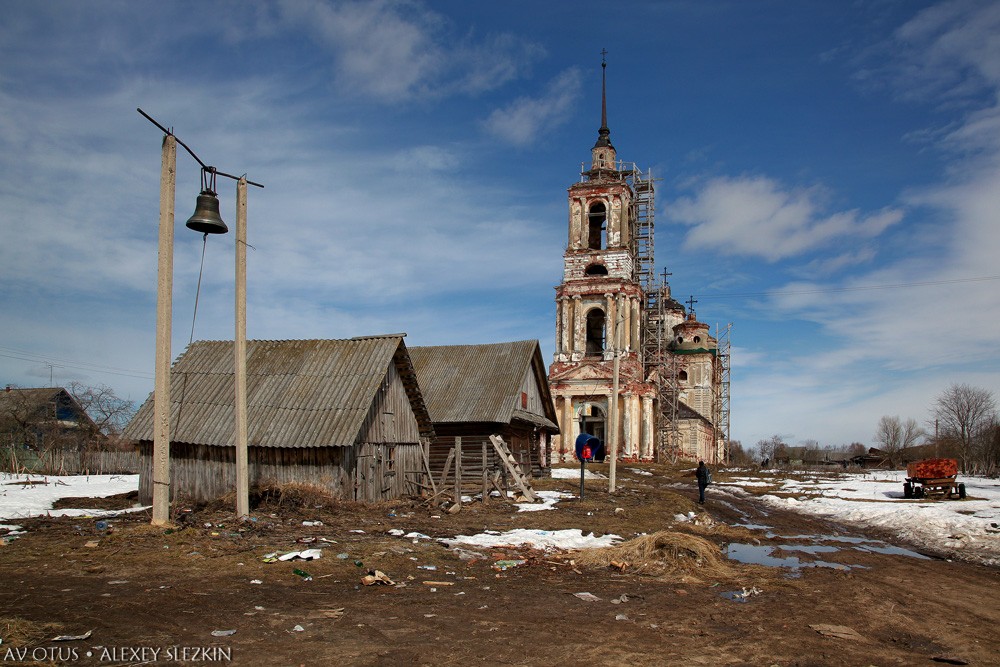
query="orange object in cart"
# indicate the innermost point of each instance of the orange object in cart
(932, 469)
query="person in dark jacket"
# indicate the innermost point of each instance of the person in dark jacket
(703, 476)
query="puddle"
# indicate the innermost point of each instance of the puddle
(754, 555)
(892, 551)
(809, 548)
(864, 544)
(766, 555)
(751, 526)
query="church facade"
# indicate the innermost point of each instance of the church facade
(632, 366)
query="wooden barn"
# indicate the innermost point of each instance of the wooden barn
(474, 391)
(346, 415)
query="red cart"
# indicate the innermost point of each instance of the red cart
(933, 477)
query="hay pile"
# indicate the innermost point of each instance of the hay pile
(664, 553)
(16, 631)
(271, 494)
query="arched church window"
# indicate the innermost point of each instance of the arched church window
(597, 228)
(683, 376)
(595, 332)
(596, 270)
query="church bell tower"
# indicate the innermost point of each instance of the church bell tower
(597, 374)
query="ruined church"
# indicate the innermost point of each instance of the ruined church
(632, 366)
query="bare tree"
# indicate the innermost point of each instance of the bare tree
(771, 448)
(911, 433)
(110, 413)
(964, 414)
(739, 456)
(889, 438)
(893, 436)
(989, 449)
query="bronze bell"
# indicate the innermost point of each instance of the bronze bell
(206, 216)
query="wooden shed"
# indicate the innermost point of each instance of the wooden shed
(474, 391)
(346, 415)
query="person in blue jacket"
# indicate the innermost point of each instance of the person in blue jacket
(704, 477)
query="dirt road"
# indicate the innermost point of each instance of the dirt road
(155, 596)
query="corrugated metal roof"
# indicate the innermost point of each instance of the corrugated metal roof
(477, 383)
(300, 393)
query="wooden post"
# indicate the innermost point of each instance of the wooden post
(458, 470)
(240, 351)
(164, 313)
(613, 414)
(486, 487)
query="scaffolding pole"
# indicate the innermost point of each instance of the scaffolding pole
(722, 381)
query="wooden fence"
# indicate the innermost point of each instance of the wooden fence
(63, 462)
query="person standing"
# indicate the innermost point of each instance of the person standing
(704, 476)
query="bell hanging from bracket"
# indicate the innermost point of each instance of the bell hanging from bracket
(206, 216)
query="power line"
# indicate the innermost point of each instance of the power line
(22, 355)
(860, 288)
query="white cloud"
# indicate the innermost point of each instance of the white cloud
(898, 334)
(525, 119)
(395, 50)
(757, 216)
(949, 50)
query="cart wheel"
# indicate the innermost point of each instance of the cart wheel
(961, 490)
(907, 490)
(918, 492)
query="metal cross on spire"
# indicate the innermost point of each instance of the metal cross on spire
(690, 302)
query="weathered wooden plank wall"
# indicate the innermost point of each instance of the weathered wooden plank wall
(64, 462)
(523, 444)
(383, 469)
(203, 472)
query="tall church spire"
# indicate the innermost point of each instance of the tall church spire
(603, 155)
(604, 134)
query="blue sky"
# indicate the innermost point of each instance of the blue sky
(830, 182)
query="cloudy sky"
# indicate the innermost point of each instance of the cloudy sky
(830, 181)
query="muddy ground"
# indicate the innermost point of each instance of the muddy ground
(154, 596)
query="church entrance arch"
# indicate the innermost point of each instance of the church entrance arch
(592, 420)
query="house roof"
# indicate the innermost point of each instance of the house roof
(300, 393)
(482, 383)
(34, 403)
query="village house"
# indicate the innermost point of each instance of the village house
(475, 391)
(343, 415)
(41, 423)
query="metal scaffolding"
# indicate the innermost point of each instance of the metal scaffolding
(660, 367)
(721, 382)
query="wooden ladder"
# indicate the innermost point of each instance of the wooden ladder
(513, 467)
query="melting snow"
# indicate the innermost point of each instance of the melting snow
(968, 529)
(538, 539)
(20, 500)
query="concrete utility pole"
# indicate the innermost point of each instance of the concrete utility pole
(206, 219)
(612, 465)
(240, 350)
(164, 298)
(616, 349)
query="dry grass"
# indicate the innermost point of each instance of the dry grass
(271, 494)
(663, 554)
(19, 632)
